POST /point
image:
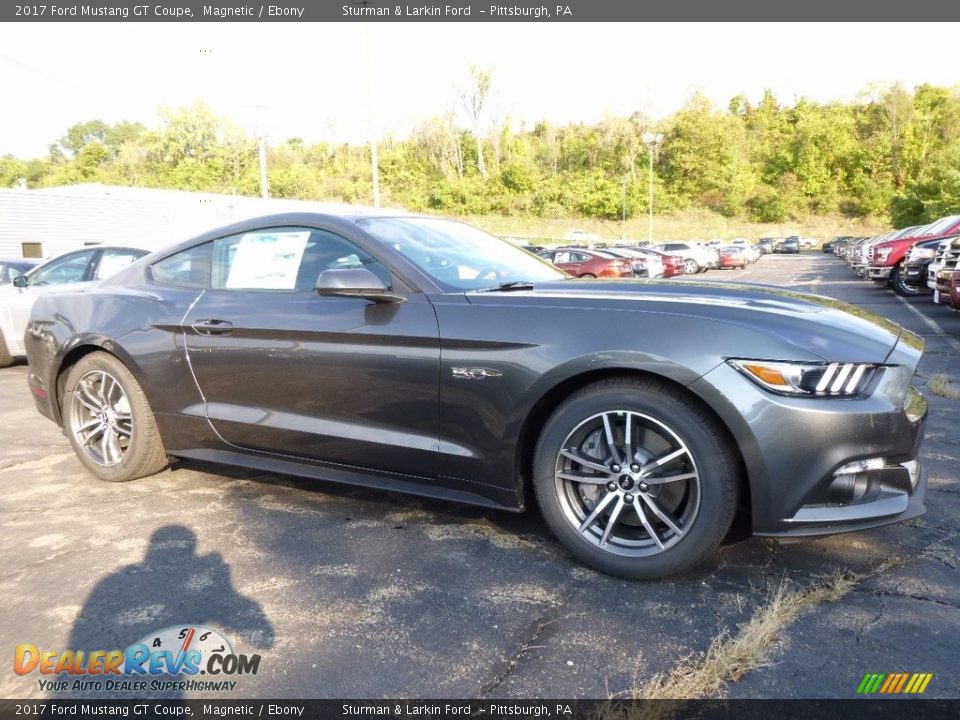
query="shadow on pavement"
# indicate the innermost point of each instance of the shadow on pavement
(173, 587)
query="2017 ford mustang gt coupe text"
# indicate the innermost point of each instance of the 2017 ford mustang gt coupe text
(421, 355)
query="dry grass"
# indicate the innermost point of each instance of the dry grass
(730, 657)
(942, 384)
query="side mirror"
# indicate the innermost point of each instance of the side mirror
(20, 281)
(355, 282)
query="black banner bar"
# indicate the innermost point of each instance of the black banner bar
(854, 709)
(527, 11)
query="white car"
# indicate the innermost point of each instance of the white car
(62, 274)
(750, 251)
(581, 236)
(696, 257)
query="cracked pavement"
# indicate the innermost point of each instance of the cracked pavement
(347, 592)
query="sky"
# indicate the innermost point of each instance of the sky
(341, 81)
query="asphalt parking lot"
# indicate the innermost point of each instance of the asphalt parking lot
(354, 593)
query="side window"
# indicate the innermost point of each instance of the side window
(189, 268)
(562, 257)
(580, 257)
(280, 259)
(113, 261)
(288, 259)
(69, 269)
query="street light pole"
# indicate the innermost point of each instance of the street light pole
(652, 141)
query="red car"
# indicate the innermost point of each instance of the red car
(672, 264)
(952, 296)
(584, 263)
(731, 256)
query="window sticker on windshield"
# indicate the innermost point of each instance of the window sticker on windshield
(267, 261)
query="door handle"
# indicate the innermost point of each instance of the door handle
(213, 327)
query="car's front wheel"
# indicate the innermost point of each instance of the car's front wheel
(635, 480)
(109, 421)
(900, 286)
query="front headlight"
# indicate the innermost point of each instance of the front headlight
(809, 379)
(882, 254)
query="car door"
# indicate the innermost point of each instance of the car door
(565, 260)
(334, 379)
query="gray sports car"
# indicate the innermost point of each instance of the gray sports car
(417, 354)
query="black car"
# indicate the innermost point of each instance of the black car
(916, 262)
(421, 355)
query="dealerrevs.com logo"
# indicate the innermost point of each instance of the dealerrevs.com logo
(175, 651)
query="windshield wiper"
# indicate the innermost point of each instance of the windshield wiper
(507, 286)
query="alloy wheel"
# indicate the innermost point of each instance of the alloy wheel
(627, 483)
(101, 419)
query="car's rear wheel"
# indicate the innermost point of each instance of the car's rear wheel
(589, 276)
(6, 357)
(109, 421)
(690, 266)
(635, 480)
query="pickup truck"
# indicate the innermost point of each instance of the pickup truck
(886, 262)
(943, 268)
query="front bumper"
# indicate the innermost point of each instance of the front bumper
(879, 272)
(794, 449)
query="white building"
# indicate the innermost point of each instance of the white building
(50, 221)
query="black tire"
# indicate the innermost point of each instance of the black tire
(6, 359)
(691, 266)
(705, 443)
(899, 286)
(589, 276)
(143, 453)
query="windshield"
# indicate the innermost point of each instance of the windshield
(458, 257)
(941, 225)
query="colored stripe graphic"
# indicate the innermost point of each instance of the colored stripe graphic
(894, 683)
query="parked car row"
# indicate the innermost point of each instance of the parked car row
(917, 260)
(663, 260)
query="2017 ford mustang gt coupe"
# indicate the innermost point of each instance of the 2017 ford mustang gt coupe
(421, 355)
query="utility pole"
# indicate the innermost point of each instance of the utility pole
(623, 207)
(652, 141)
(371, 115)
(264, 184)
(262, 143)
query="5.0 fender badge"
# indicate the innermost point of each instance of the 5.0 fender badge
(474, 373)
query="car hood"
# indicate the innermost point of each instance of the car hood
(828, 328)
